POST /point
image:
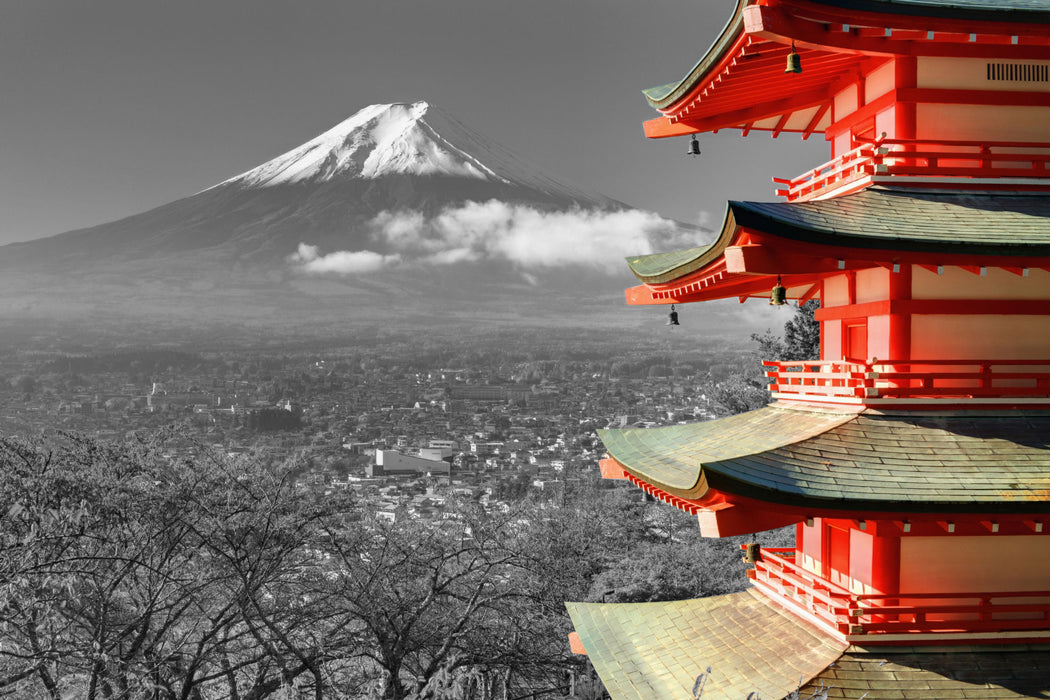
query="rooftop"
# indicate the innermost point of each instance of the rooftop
(879, 462)
(920, 222)
(740, 81)
(656, 651)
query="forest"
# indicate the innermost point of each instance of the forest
(128, 575)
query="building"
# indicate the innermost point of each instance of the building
(914, 457)
(394, 463)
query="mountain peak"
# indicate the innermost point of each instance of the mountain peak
(386, 139)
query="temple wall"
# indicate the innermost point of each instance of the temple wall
(809, 542)
(878, 82)
(956, 283)
(971, 74)
(980, 337)
(873, 285)
(964, 564)
(845, 103)
(831, 340)
(886, 122)
(878, 339)
(942, 122)
(835, 291)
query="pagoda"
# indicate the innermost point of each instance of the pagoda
(913, 458)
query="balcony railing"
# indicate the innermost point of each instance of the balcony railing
(882, 160)
(887, 381)
(870, 615)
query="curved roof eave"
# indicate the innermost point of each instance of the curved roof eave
(663, 96)
(905, 462)
(877, 219)
(658, 268)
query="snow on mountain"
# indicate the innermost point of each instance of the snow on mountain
(394, 187)
(399, 139)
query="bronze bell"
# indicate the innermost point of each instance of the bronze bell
(672, 318)
(794, 62)
(694, 147)
(778, 297)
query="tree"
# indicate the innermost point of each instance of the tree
(746, 391)
(801, 339)
(127, 574)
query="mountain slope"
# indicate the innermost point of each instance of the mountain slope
(384, 158)
(399, 210)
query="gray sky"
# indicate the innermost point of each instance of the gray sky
(112, 107)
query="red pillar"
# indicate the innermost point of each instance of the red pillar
(905, 76)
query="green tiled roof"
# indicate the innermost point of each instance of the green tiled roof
(664, 95)
(905, 462)
(655, 651)
(671, 457)
(650, 266)
(891, 219)
(1003, 673)
(881, 219)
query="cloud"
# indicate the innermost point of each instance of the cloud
(344, 262)
(530, 239)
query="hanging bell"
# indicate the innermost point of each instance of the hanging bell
(778, 297)
(794, 62)
(694, 147)
(672, 318)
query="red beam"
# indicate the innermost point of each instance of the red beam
(757, 112)
(929, 307)
(662, 127)
(821, 111)
(782, 25)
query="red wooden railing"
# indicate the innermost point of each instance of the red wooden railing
(835, 173)
(906, 158)
(874, 614)
(965, 380)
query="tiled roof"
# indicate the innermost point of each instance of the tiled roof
(672, 457)
(664, 95)
(880, 219)
(649, 266)
(1008, 672)
(895, 462)
(655, 651)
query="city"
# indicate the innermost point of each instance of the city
(474, 419)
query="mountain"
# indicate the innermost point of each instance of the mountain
(391, 157)
(399, 207)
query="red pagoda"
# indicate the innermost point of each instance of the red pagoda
(914, 457)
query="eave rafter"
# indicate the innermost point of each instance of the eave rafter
(752, 261)
(833, 44)
(891, 35)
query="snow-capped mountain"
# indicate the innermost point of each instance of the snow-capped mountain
(400, 203)
(398, 139)
(384, 158)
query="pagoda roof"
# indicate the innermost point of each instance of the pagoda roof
(740, 81)
(877, 219)
(656, 651)
(1003, 673)
(904, 462)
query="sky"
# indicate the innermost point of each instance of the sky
(112, 107)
